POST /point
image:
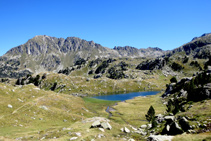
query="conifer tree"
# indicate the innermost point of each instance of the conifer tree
(150, 114)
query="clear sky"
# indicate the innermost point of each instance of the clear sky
(139, 23)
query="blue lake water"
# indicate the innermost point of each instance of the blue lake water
(126, 96)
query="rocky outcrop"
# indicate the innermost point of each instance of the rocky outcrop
(171, 126)
(134, 52)
(159, 138)
(152, 64)
(184, 123)
(10, 68)
(98, 124)
(195, 88)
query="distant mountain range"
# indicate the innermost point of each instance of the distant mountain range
(45, 53)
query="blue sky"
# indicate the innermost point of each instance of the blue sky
(139, 23)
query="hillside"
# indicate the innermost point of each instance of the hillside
(199, 47)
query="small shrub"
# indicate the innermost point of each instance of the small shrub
(80, 61)
(173, 80)
(173, 107)
(185, 60)
(176, 67)
(44, 76)
(196, 64)
(37, 80)
(54, 86)
(18, 82)
(90, 72)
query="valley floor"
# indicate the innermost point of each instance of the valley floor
(29, 113)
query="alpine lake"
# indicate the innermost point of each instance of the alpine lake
(125, 96)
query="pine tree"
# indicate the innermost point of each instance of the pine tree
(154, 123)
(150, 114)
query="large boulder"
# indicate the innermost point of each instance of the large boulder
(159, 118)
(184, 124)
(172, 129)
(169, 119)
(169, 89)
(126, 130)
(96, 124)
(209, 69)
(73, 138)
(9, 106)
(183, 93)
(143, 126)
(106, 125)
(159, 138)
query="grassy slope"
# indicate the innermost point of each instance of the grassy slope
(30, 120)
(98, 106)
(193, 137)
(133, 111)
(19, 121)
(28, 117)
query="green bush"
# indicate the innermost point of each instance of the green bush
(176, 67)
(196, 64)
(185, 60)
(173, 106)
(173, 80)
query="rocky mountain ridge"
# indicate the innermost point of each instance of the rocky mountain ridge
(45, 53)
(128, 51)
